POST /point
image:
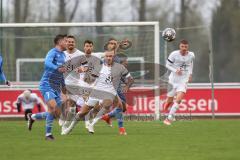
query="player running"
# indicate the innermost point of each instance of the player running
(180, 63)
(27, 100)
(51, 85)
(74, 62)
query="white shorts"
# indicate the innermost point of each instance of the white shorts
(176, 87)
(80, 101)
(97, 96)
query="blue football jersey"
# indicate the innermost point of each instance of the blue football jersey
(51, 77)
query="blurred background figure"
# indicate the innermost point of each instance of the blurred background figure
(27, 100)
(2, 75)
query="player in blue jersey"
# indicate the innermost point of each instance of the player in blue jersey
(2, 75)
(51, 85)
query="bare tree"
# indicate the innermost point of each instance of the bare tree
(183, 13)
(21, 10)
(61, 11)
(99, 10)
(99, 18)
(62, 14)
(142, 10)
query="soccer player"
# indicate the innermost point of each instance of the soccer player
(51, 85)
(104, 90)
(73, 59)
(180, 63)
(27, 100)
(120, 107)
(93, 61)
(119, 103)
(2, 75)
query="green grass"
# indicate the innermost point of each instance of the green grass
(184, 140)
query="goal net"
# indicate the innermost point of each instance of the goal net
(24, 47)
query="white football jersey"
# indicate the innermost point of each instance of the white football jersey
(110, 77)
(177, 61)
(74, 60)
(99, 54)
(69, 56)
(30, 102)
(104, 81)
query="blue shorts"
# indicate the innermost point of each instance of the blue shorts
(49, 93)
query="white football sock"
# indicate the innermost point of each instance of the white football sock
(99, 116)
(173, 111)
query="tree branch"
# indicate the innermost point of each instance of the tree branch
(74, 10)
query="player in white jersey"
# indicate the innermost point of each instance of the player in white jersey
(74, 61)
(104, 90)
(27, 100)
(83, 81)
(180, 63)
(120, 106)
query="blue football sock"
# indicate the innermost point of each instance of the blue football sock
(41, 115)
(113, 112)
(119, 117)
(49, 123)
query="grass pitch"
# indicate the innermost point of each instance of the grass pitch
(184, 140)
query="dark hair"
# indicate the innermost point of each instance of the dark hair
(112, 39)
(71, 36)
(183, 41)
(59, 37)
(88, 41)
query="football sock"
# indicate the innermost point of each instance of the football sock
(49, 123)
(119, 117)
(41, 115)
(173, 110)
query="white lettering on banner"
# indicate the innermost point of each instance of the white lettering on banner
(15, 106)
(8, 107)
(144, 103)
(198, 105)
(151, 105)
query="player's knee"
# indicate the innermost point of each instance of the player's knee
(107, 103)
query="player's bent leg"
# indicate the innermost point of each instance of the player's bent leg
(32, 117)
(106, 104)
(168, 103)
(79, 116)
(116, 104)
(174, 108)
(62, 117)
(70, 116)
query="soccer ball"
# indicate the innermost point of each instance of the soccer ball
(169, 34)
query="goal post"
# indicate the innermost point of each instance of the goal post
(144, 35)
